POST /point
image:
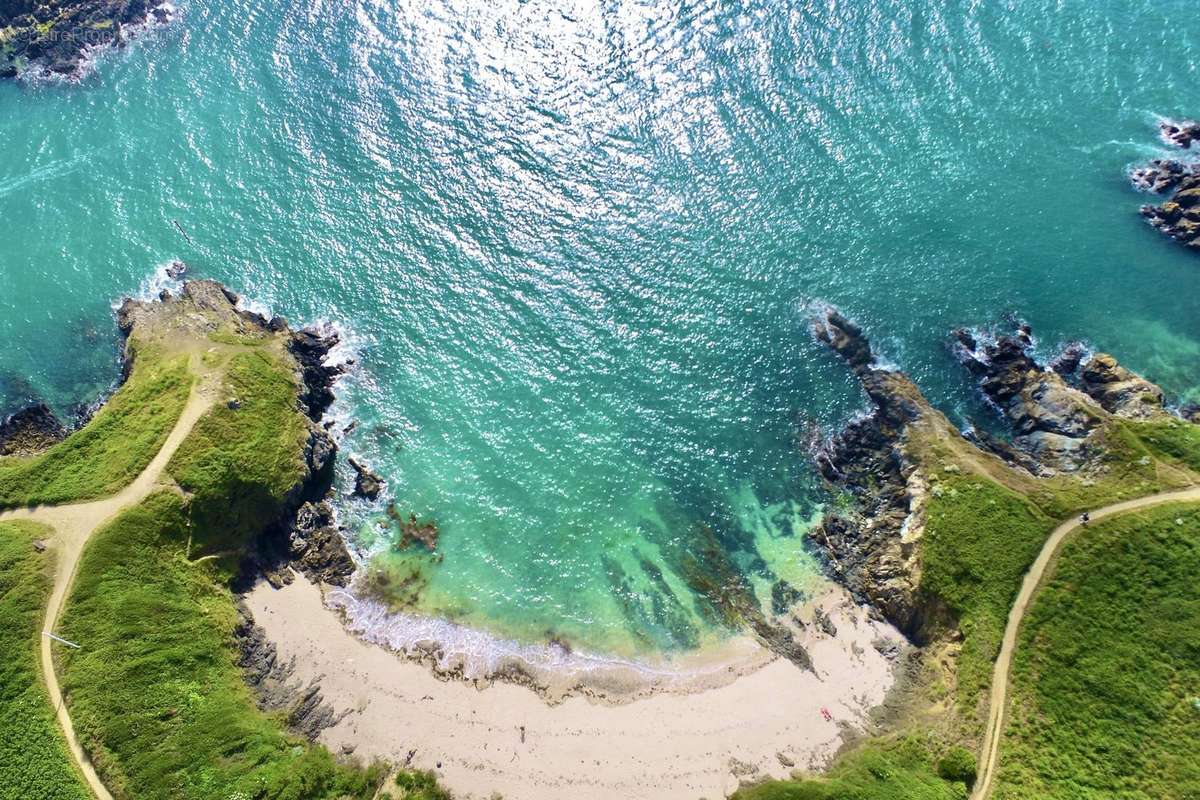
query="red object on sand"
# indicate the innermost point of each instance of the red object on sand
(825, 713)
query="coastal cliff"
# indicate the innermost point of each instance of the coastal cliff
(238, 493)
(304, 534)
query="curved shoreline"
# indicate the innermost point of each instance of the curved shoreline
(696, 739)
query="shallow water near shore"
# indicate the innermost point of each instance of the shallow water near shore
(572, 247)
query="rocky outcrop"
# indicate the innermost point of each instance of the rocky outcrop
(1179, 216)
(367, 484)
(1161, 175)
(53, 36)
(1180, 134)
(311, 347)
(30, 430)
(1051, 421)
(317, 547)
(302, 707)
(873, 548)
(1120, 391)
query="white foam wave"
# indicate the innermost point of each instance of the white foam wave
(165, 276)
(479, 655)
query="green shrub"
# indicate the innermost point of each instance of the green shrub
(958, 764)
(881, 769)
(34, 762)
(420, 785)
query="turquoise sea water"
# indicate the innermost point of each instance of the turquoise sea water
(573, 243)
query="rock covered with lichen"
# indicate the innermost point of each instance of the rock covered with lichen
(1051, 421)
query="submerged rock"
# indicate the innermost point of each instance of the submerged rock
(413, 530)
(29, 431)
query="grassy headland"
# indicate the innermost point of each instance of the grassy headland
(967, 525)
(156, 693)
(33, 755)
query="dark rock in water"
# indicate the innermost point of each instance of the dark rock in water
(366, 483)
(176, 269)
(52, 37)
(1179, 216)
(1191, 412)
(30, 430)
(1160, 175)
(311, 347)
(271, 681)
(1051, 421)
(317, 547)
(1180, 134)
(846, 338)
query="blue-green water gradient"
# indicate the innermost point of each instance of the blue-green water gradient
(572, 243)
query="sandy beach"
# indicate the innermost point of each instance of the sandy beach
(762, 718)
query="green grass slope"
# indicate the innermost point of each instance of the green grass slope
(34, 762)
(108, 453)
(155, 694)
(1106, 675)
(907, 768)
(980, 539)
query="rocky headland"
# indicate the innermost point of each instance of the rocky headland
(304, 536)
(1062, 416)
(54, 36)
